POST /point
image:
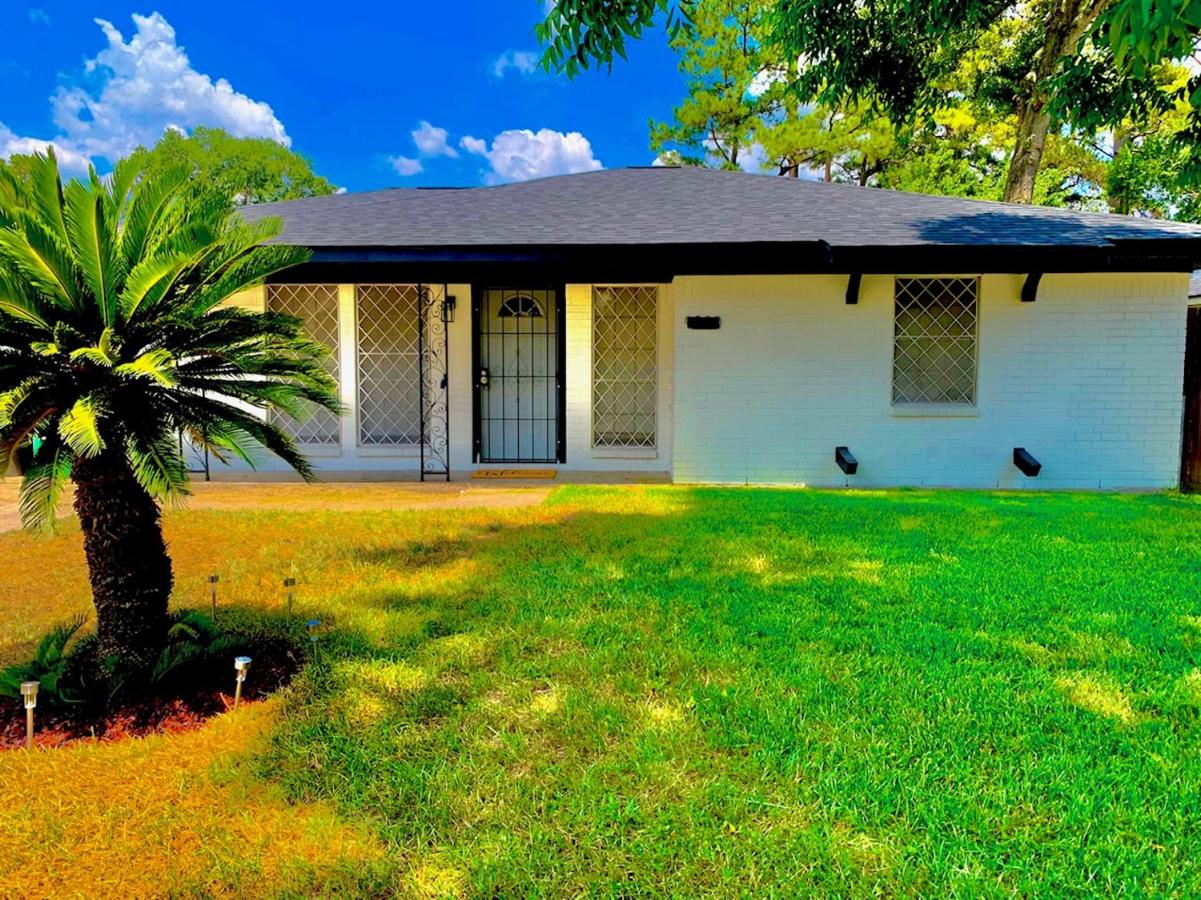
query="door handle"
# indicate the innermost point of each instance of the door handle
(482, 380)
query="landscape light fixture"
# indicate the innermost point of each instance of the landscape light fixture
(312, 625)
(29, 691)
(241, 666)
(290, 587)
(213, 579)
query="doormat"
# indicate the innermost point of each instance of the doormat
(514, 473)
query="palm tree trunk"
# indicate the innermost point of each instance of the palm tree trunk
(127, 559)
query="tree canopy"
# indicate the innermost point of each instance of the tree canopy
(245, 170)
(1055, 72)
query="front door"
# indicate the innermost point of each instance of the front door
(519, 385)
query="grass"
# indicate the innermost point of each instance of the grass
(661, 690)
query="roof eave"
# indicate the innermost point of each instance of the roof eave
(662, 262)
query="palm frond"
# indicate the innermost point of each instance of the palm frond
(144, 211)
(32, 250)
(45, 192)
(158, 466)
(42, 486)
(86, 213)
(79, 427)
(150, 280)
(11, 399)
(250, 270)
(155, 365)
(21, 303)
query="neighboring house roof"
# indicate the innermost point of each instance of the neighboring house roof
(694, 220)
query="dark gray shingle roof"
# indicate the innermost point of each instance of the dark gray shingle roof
(690, 206)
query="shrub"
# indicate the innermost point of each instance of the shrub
(50, 666)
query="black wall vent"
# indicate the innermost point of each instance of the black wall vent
(846, 460)
(703, 323)
(1027, 463)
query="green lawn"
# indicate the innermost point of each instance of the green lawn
(737, 691)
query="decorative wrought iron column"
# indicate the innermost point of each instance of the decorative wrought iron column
(434, 311)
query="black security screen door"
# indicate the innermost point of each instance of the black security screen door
(519, 386)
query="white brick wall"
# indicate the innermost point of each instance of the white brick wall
(1088, 378)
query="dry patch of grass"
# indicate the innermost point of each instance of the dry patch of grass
(1099, 694)
(169, 812)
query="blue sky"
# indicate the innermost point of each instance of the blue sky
(376, 94)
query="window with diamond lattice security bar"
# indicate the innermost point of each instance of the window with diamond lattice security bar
(934, 341)
(317, 306)
(389, 364)
(625, 357)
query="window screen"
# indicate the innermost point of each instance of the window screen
(317, 306)
(625, 356)
(934, 341)
(389, 366)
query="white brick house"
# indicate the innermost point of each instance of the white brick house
(720, 327)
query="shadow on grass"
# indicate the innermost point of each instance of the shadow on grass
(840, 692)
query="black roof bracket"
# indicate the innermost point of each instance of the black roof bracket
(853, 288)
(1030, 287)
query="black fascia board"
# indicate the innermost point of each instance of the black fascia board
(662, 262)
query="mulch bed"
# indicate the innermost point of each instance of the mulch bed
(207, 694)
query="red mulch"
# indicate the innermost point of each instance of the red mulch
(207, 694)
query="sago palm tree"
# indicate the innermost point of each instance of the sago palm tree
(113, 343)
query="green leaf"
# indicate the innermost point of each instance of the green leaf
(79, 427)
(154, 365)
(149, 281)
(90, 239)
(158, 466)
(42, 486)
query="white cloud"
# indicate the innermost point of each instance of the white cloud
(12, 144)
(764, 80)
(524, 62)
(474, 145)
(431, 141)
(147, 86)
(136, 90)
(39, 16)
(521, 154)
(405, 165)
(752, 158)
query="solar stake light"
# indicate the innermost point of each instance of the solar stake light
(241, 666)
(29, 691)
(312, 625)
(213, 579)
(290, 587)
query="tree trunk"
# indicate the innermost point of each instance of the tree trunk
(1066, 24)
(127, 559)
(1031, 138)
(1119, 203)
